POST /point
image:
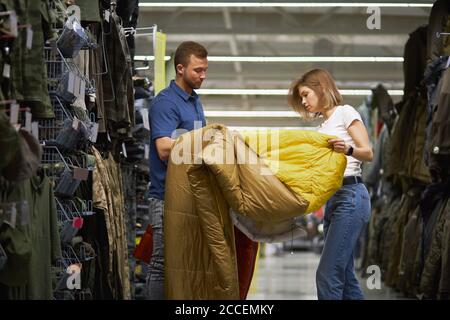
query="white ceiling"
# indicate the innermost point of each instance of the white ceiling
(276, 32)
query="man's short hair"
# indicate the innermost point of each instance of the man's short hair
(185, 50)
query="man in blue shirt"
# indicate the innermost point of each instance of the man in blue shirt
(176, 108)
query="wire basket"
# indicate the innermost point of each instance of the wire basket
(54, 163)
(49, 128)
(56, 67)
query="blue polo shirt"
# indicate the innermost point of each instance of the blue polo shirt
(172, 109)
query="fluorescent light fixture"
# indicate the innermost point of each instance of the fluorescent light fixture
(283, 92)
(237, 92)
(251, 114)
(149, 58)
(286, 59)
(243, 128)
(304, 59)
(283, 4)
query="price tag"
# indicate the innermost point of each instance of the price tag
(29, 37)
(9, 212)
(6, 70)
(71, 84)
(76, 87)
(144, 113)
(124, 150)
(77, 222)
(81, 174)
(76, 123)
(35, 129)
(28, 121)
(13, 24)
(146, 151)
(14, 114)
(82, 89)
(94, 132)
(24, 213)
(107, 15)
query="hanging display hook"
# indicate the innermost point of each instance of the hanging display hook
(439, 34)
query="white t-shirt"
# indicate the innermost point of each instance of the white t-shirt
(337, 125)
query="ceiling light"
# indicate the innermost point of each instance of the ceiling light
(285, 59)
(283, 92)
(149, 58)
(237, 92)
(251, 114)
(244, 128)
(283, 4)
(304, 59)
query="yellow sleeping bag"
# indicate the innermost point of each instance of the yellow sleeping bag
(303, 160)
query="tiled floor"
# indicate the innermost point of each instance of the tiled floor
(286, 276)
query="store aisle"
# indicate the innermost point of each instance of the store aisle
(286, 276)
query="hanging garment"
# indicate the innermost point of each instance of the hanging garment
(28, 69)
(26, 160)
(33, 247)
(444, 281)
(408, 278)
(90, 11)
(98, 67)
(411, 201)
(412, 115)
(108, 197)
(406, 146)
(437, 23)
(386, 234)
(375, 175)
(432, 272)
(439, 138)
(246, 255)
(415, 61)
(382, 101)
(433, 80)
(118, 83)
(128, 11)
(9, 141)
(291, 176)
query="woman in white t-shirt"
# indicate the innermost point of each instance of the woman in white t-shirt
(348, 210)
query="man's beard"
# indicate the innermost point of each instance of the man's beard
(192, 84)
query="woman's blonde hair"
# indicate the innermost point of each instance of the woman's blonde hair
(322, 83)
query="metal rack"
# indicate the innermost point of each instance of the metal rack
(55, 164)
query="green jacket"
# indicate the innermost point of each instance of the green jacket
(31, 248)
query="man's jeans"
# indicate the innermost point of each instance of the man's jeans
(155, 276)
(346, 213)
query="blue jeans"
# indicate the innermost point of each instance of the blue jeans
(346, 213)
(155, 276)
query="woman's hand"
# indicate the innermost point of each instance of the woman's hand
(362, 149)
(339, 145)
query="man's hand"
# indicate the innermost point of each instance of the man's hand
(163, 146)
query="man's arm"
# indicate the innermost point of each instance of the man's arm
(163, 146)
(163, 121)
